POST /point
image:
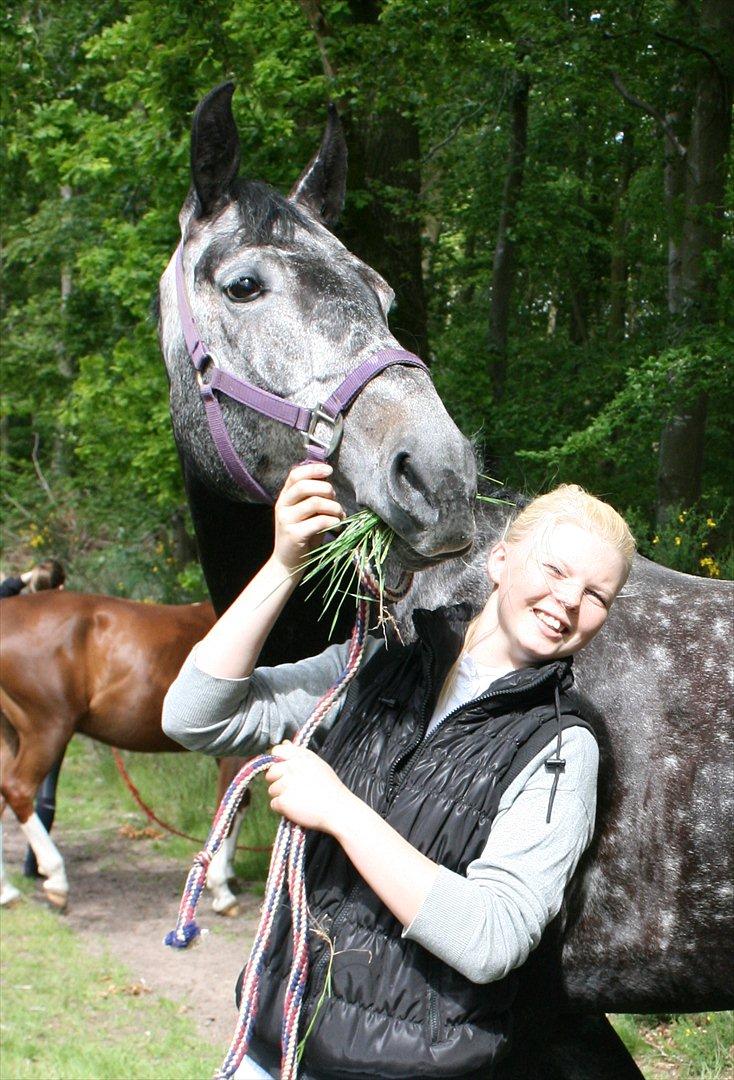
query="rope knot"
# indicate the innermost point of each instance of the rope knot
(202, 859)
(181, 938)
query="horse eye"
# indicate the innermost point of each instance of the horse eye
(243, 289)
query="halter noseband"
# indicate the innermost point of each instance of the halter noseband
(330, 413)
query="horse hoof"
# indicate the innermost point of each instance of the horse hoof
(230, 912)
(57, 900)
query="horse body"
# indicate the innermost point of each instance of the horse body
(646, 924)
(97, 665)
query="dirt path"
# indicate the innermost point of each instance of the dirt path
(124, 899)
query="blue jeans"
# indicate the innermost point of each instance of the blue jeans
(250, 1070)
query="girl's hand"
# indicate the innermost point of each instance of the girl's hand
(305, 789)
(306, 508)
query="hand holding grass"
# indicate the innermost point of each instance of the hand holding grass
(305, 510)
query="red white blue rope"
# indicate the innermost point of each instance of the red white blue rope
(287, 866)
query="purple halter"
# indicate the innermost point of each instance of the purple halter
(330, 413)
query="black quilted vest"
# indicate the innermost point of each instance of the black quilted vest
(395, 1010)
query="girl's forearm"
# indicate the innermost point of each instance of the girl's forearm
(400, 875)
(232, 646)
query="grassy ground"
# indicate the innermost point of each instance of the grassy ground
(179, 788)
(91, 1021)
(698, 1046)
(95, 1022)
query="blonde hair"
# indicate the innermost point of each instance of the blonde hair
(567, 502)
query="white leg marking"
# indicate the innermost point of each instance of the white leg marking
(8, 892)
(216, 880)
(221, 871)
(230, 844)
(48, 856)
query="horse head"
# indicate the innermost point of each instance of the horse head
(282, 304)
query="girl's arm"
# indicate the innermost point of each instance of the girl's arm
(485, 924)
(214, 704)
(306, 508)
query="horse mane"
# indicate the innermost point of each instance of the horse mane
(267, 216)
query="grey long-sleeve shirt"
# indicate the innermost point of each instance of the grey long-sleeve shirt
(484, 924)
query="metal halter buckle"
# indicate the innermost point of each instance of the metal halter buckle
(199, 372)
(318, 416)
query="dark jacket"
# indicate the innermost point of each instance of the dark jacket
(395, 1010)
(11, 586)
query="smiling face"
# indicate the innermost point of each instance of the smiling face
(553, 590)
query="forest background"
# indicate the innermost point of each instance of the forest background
(543, 183)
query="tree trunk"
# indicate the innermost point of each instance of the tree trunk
(384, 230)
(64, 362)
(706, 178)
(384, 165)
(503, 266)
(692, 292)
(674, 187)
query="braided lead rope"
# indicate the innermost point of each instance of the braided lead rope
(287, 863)
(186, 929)
(296, 985)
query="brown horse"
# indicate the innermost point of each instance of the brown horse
(98, 665)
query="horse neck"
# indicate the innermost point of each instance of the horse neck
(234, 541)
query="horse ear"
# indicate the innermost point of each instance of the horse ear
(323, 183)
(215, 147)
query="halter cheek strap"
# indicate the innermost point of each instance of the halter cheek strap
(330, 413)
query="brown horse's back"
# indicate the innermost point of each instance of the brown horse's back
(95, 664)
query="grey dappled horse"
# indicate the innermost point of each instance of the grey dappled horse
(280, 301)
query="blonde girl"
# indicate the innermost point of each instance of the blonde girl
(450, 802)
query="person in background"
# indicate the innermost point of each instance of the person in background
(49, 574)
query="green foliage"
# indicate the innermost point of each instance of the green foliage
(616, 451)
(694, 541)
(97, 107)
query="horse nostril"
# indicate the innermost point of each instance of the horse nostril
(405, 475)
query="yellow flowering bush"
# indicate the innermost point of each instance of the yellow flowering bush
(692, 540)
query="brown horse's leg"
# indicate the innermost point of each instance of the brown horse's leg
(8, 892)
(46, 810)
(21, 779)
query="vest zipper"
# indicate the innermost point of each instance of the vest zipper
(406, 755)
(433, 1018)
(403, 759)
(484, 697)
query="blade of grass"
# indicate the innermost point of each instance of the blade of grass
(363, 541)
